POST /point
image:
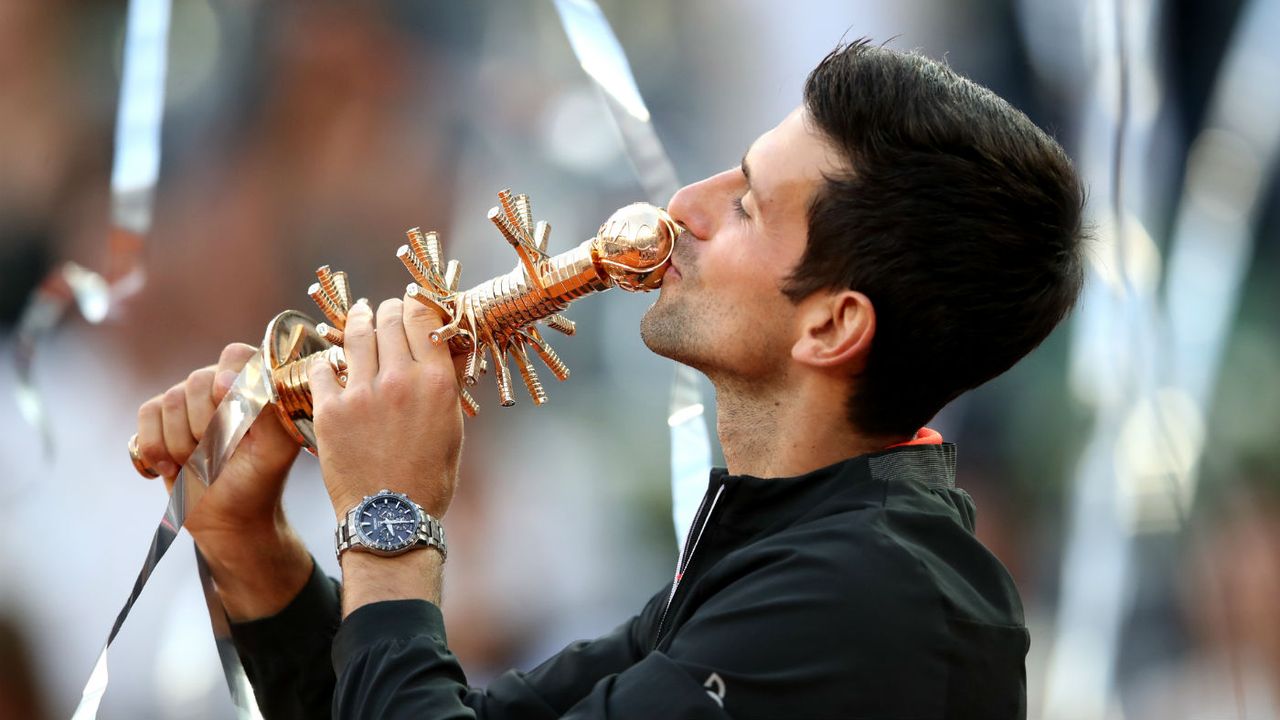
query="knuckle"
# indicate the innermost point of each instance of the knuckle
(235, 354)
(438, 379)
(422, 313)
(152, 448)
(399, 390)
(200, 376)
(148, 408)
(394, 381)
(175, 398)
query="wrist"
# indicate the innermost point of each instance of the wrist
(423, 497)
(258, 571)
(388, 523)
(368, 578)
(347, 489)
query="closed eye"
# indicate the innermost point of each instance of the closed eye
(739, 209)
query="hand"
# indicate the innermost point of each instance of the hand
(397, 423)
(257, 561)
(247, 493)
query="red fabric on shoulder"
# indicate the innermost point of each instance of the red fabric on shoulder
(924, 436)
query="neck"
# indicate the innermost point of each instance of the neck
(784, 432)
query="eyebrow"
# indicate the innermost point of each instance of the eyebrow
(746, 169)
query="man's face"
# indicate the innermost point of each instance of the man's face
(721, 308)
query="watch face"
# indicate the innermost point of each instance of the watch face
(387, 522)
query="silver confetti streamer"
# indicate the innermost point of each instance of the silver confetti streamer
(602, 58)
(135, 168)
(248, 395)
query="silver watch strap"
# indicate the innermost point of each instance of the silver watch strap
(430, 533)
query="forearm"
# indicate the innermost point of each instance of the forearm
(286, 655)
(393, 662)
(369, 578)
(257, 571)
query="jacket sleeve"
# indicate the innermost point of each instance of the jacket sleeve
(392, 661)
(830, 632)
(803, 635)
(286, 656)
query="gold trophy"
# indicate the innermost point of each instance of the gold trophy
(495, 319)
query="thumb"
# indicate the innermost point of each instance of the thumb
(323, 381)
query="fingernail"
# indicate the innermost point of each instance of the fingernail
(166, 468)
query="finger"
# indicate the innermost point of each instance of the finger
(178, 437)
(323, 381)
(200, 406)
(393, 348)
(151, 446)
(232, 361)
(139, 464)
(359, 345)
(419, 322)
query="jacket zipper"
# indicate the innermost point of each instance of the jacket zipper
(690, 549)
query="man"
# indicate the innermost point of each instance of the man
(903, 236)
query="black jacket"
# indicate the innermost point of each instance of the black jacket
(855, 591)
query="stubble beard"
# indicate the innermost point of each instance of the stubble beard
(683, 328)
(687, 324)
(669, 328)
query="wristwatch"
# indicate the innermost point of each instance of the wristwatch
(388, 523)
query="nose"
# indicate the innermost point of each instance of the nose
(694, 206)
(684, 210)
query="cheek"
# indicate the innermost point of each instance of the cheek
(729, 266)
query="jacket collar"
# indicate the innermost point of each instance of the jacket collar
(753, 503)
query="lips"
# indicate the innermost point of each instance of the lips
(672, 267)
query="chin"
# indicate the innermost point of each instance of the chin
(664, 331)
(652, 339)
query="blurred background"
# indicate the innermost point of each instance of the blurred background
(1127, 472)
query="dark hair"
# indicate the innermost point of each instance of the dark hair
(957, 217)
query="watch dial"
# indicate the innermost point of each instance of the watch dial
(387, 522)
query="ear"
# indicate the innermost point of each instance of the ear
(836, 328)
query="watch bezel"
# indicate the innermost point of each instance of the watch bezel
(379, 548)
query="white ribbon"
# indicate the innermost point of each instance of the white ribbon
(602, 58)
(248, 395)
